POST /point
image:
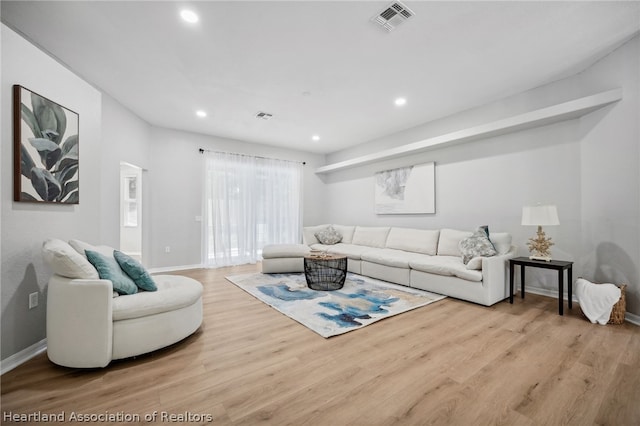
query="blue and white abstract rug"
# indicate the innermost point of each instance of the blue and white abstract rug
(362, 300)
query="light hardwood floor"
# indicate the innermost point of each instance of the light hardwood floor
(451, 362)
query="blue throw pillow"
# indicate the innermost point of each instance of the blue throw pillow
(108, 269)
(136, 271)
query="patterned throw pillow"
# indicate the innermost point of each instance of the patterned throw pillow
(476, 245)
(329, 236)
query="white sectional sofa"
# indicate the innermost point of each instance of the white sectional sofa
(426, 259)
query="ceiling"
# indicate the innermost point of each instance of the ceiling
(319, 67)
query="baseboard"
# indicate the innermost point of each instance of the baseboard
(547, 292)
(629, 317)
(632, 318)
(174, 268)
(23, 356)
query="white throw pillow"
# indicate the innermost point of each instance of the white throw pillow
(81, 246)
(370, 236)
(415, 240)
(449, 240)
(67, 262)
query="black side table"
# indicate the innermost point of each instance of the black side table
(558, 265)
(325, 272)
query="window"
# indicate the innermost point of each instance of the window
(130, 201)
(250, 202)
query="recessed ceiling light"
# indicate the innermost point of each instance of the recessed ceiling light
(189, 16)
(200, 113)
(315, 138)
(400, 101)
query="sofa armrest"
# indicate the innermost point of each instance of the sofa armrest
(495, 278)
(79, 322)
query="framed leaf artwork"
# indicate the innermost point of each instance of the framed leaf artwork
(45, 150)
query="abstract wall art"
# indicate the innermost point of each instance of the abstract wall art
(406, 190)
(45, 146)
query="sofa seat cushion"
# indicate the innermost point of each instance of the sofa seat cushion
(273, 251)
(174, 292)
(390, 257)
(352, 251)
(445, 265)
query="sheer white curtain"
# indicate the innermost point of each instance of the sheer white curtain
(249, 202)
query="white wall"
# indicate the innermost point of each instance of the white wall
(176, 176)
(587, 167)
(26, 225)
(127, 138)
(610, 176)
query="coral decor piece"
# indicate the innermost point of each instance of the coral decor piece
(540, 246)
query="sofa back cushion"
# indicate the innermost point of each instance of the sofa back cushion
(81, 247)
(309, 234)
(346, 232)
(501, 241)
(370, 236)
(449, 240)
(415, 240)
(67, 262)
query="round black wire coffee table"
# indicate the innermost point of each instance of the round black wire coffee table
(325, 272)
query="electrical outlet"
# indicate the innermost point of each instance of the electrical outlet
(167, 249)
(33, 300)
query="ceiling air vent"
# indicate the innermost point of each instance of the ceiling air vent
(264, 115)
(392, 16)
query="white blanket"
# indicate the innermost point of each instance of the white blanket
(596, 300)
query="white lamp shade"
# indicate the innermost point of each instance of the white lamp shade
(540, 215)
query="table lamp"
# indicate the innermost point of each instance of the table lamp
(540, 246)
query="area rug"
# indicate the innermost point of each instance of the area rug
(362, 300)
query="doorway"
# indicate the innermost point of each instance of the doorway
(131, 210)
